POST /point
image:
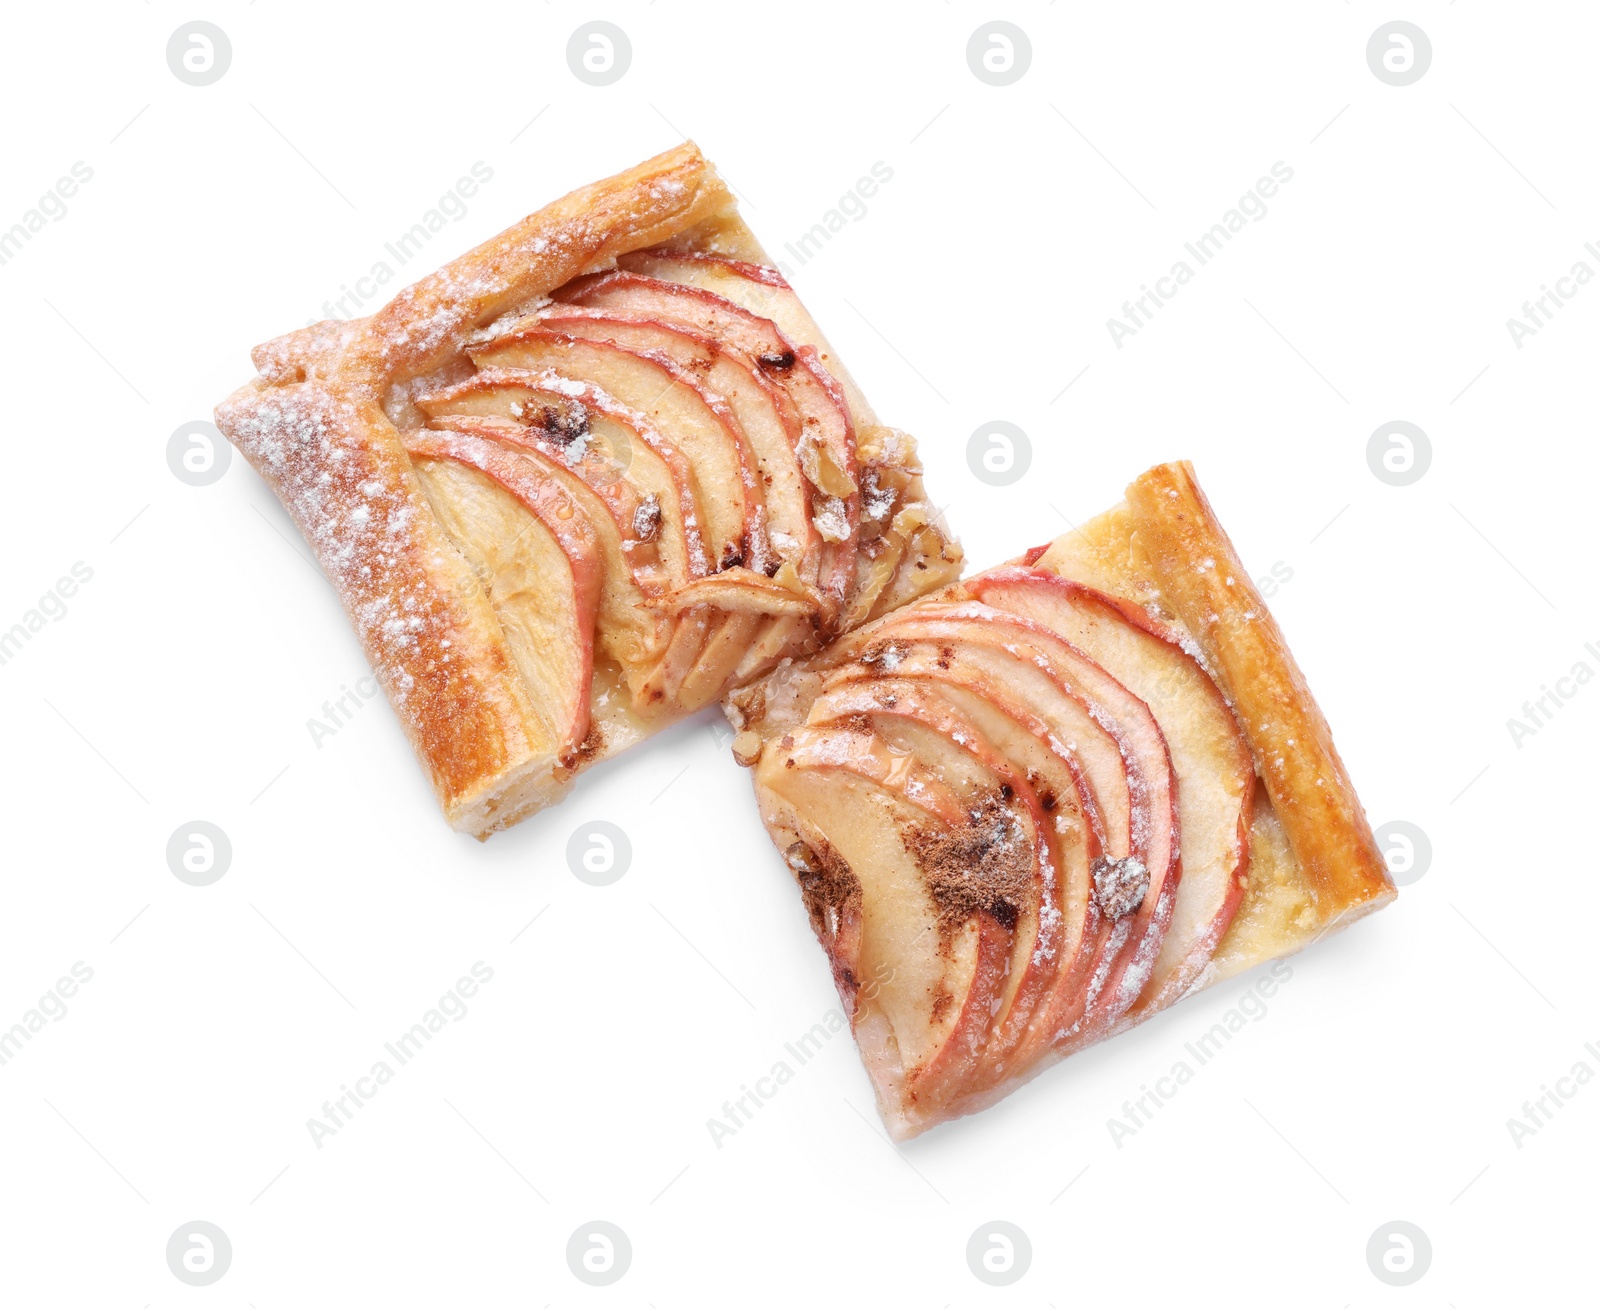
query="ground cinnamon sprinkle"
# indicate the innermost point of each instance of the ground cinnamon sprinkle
(826, 884)
(832, 896)
(587, 749)
(986, 865)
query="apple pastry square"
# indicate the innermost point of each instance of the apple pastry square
(584, 480)
(1040, 805)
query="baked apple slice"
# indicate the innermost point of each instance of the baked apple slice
(1143, 855)
(1122, 710)
(1137, 872)
(827, 439)
(571, 418)
(628, 632)
(1047, 917)
(1055, 943)
(851, 804)
(1216, 777)
(759, 289)
(826, 442)
(765, 415)
(697, 422)
(538, 559)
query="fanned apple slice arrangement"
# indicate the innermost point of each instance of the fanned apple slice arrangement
(604, 470)
(583, 480)
(1024, 811)
(672, 428)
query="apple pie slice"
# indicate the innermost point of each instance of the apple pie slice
(1032, 809)
(584, 480)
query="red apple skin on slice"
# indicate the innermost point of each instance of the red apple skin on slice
(1129, 944)
(1070, 918)
(999, 650)
(661, 471)
(655, 640)
(1106, 748)
(758, 288)
(826, 448)
(1081, 1006)
(980, 631)
(628, 631)
(672, 265)
(765, 414)
(682, 674)
(549, 621)
(1212, 761)
(942, 1013)
(698, 423)
(824, 415)
(867, 756)
(1038, 928)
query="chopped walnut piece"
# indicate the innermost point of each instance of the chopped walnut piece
(787, 575)
(563, 423)
(877, 499)
(910, 520)
(1120, 885)
(747, 749)
(830, 519)
(888, 446)
(930, 542)
(647, 518)
(822, 469)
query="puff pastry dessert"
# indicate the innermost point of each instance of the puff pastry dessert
(1037, 807)
(583, 480)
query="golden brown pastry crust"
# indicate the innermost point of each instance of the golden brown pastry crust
(1315, 865)
(320, 423)
(1202, 579)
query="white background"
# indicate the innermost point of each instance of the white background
(977, 286)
